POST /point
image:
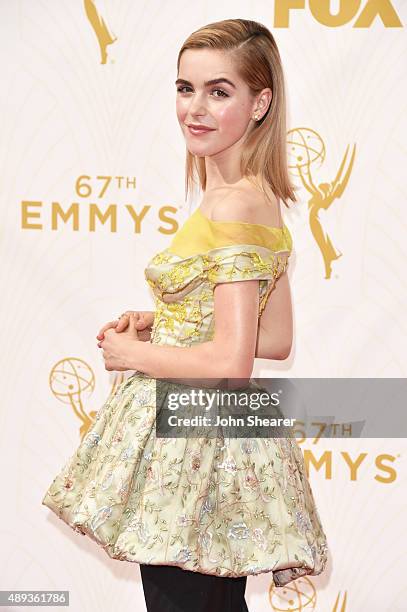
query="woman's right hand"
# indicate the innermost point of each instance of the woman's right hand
(143, 321)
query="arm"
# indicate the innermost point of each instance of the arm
(275, 330)
(275, 335)
(229, 355)
(232, 351)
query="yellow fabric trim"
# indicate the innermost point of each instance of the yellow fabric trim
(200, 234)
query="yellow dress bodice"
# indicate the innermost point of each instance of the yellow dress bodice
(202, 254)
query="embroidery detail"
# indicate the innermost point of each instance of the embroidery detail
(226, 507)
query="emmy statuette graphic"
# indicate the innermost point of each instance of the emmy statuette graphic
(103, 34)
(70, 379)
(306, 147)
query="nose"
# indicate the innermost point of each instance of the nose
(197, 105)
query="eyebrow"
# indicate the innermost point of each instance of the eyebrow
(207, 83)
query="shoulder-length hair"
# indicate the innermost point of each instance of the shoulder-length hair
(258, 62)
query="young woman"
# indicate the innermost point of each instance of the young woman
(200, 515)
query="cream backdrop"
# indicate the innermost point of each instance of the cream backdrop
(87, 91)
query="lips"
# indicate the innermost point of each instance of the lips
(199, 129)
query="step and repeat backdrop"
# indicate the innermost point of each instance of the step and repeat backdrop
(92, 185)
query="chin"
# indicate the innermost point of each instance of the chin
(197, 152)
(200, 151)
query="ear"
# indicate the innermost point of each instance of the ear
(263, 101)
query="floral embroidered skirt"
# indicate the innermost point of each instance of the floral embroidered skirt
(222, 506)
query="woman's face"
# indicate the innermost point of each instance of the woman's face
(226, 107)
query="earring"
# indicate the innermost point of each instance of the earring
(256, 117)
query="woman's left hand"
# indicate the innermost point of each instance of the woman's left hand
(117, 347)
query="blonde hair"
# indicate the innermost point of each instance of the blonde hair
(258, 63)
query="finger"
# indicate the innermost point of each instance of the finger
(149, 317)
(123, 323)
(105, 327)
(100, 334)
(141, 322)
(131, 314)
(135, 321)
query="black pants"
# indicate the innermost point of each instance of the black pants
(168, 588)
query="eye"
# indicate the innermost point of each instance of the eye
(223, 93)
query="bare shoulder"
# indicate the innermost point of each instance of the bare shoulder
(244, 204)
(234, 205)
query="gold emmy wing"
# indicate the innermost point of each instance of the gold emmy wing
(222, 506)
